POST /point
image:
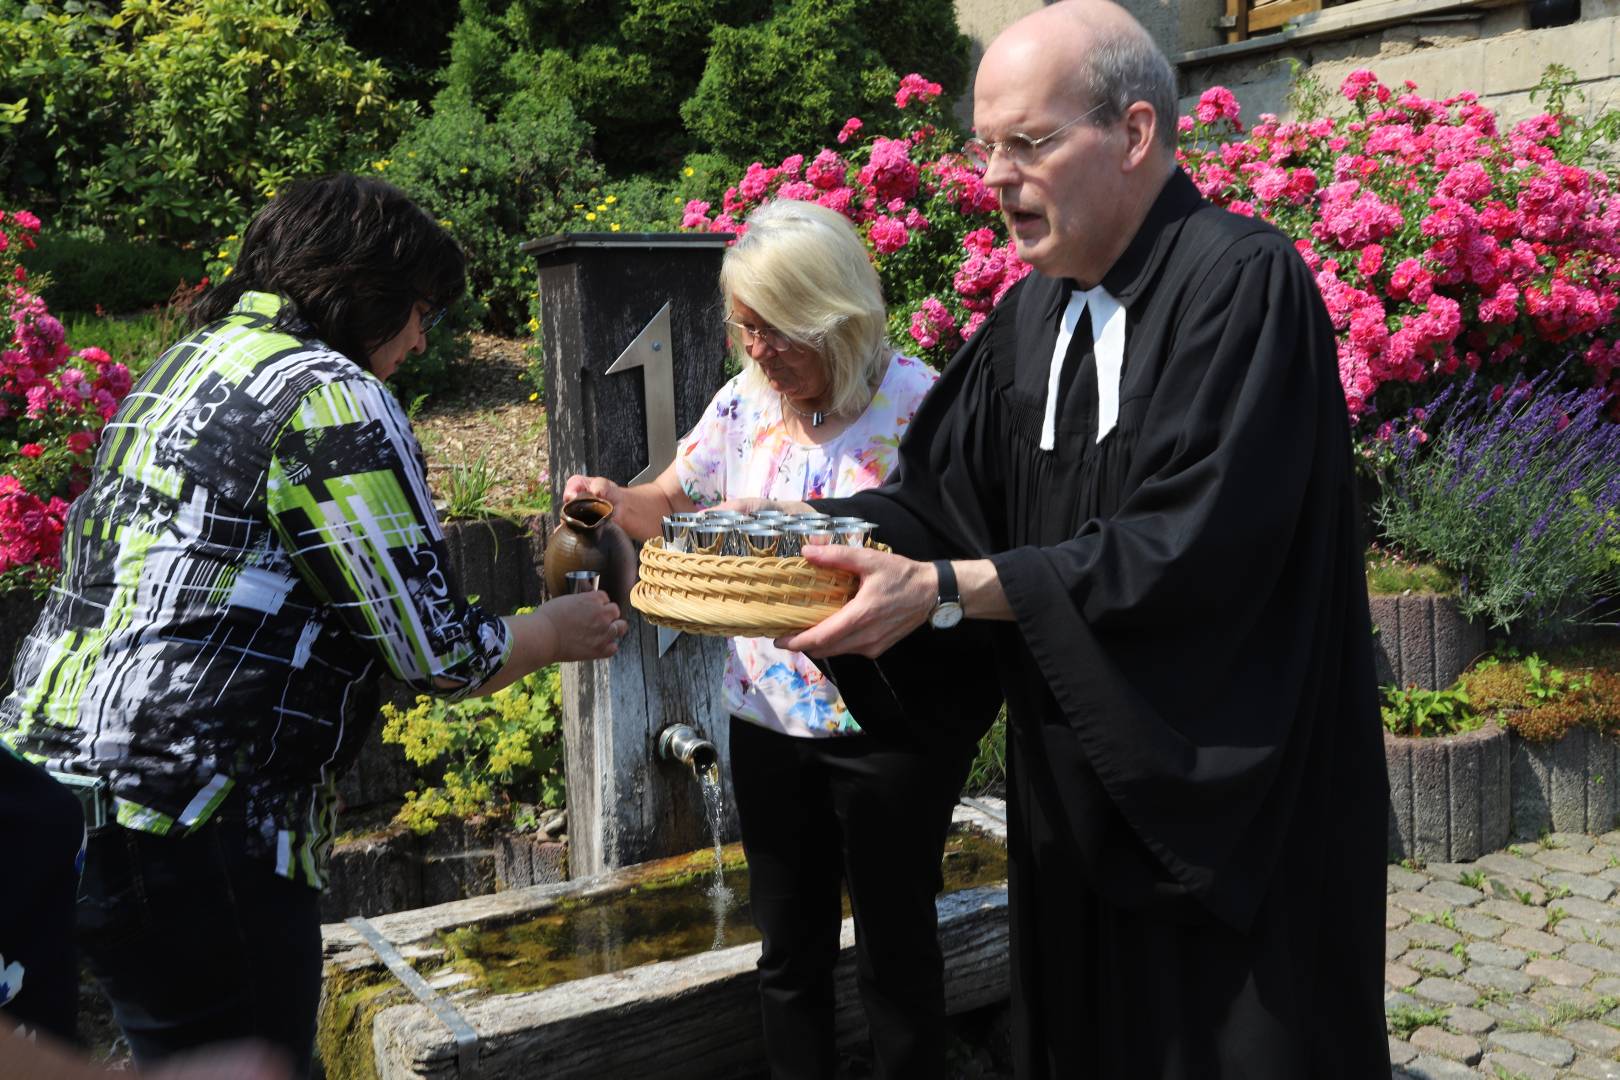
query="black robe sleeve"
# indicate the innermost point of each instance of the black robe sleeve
(935, 685)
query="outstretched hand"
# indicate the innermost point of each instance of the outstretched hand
(587, 624)
(895, 596)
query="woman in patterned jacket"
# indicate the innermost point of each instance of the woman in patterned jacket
(817, 412)
(257, 547)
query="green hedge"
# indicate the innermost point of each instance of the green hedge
(118, 274)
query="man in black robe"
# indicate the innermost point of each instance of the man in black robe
(1139, 472)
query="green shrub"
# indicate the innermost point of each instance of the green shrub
(622, 66)
(494, 183)
(114, 273)
(781, 84)
(488, 753)
(175, 119)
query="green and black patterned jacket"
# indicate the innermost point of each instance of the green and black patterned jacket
(257, 546)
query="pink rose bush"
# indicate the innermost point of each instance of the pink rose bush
(933, 228)
(53, 404)
(1442, 243)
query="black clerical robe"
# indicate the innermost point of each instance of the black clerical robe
(1197, 789)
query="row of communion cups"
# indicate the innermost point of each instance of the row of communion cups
(762, 533)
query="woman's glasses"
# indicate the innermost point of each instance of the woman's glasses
(773, 338)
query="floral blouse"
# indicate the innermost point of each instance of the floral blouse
(741, 449)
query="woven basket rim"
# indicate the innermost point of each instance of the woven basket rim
(736, 595)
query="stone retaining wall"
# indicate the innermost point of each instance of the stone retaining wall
(396, 870)
(1423, 640)
(1448, 797)
(1565, 786)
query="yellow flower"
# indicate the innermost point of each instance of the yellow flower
(579, 206)
(446, 222)
(227, 272)
(410, 153)
(611, 199)
(534, 324)
(591, 216)
(601, 206)
(231, 237)
(535, 396)
(224, 253)
(688, 171)
(464, 170)
(615, 226)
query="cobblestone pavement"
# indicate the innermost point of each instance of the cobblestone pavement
(1508, 967)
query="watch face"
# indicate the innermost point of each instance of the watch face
(946, 616)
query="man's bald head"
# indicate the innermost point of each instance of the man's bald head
(1079, 105)
(1092, 52)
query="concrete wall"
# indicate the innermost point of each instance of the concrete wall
(1490, 50)
(981, 21)
(1444, 47)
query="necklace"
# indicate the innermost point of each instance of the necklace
(816, 416)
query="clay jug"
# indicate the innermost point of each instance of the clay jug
(587, 539)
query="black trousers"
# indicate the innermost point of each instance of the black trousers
(815, 812)
(42, 831)
(195, 943)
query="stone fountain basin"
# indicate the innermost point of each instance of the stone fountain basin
(693, 1017)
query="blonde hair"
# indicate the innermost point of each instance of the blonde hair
(803, 268)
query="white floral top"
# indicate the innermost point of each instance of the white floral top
(741, 449)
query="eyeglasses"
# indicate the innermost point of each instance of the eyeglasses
(773, 338)
(1018, 147)
(432, 318)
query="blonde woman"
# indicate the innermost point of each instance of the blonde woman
(817, 412)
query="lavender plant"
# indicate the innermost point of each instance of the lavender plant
(1515, 490)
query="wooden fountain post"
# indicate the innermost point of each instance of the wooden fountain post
(633, 338)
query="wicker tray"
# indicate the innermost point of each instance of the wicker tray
(735, 596)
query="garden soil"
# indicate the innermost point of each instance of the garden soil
(487, 413)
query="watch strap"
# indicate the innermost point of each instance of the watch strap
(947, 583)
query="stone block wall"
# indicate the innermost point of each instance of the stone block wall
(1444, 47)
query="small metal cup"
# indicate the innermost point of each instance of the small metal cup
(840, 522)
(583, 581)
(856, 533)
(709, 537)
(820, 532)
(760, 541)
(674, 532)
(793, 538)
(769, 515)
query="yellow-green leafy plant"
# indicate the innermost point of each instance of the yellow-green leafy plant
(484, 756)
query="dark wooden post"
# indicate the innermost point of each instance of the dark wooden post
(599, 293)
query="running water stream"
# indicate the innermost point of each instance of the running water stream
(714, 801)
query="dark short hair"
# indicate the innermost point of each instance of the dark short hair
(349, 256)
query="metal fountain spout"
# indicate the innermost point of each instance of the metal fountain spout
(679, 742)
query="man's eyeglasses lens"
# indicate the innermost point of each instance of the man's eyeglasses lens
(772, 337)
(432, 319)
(1018, 149)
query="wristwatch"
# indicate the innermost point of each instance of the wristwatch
(948, 608)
